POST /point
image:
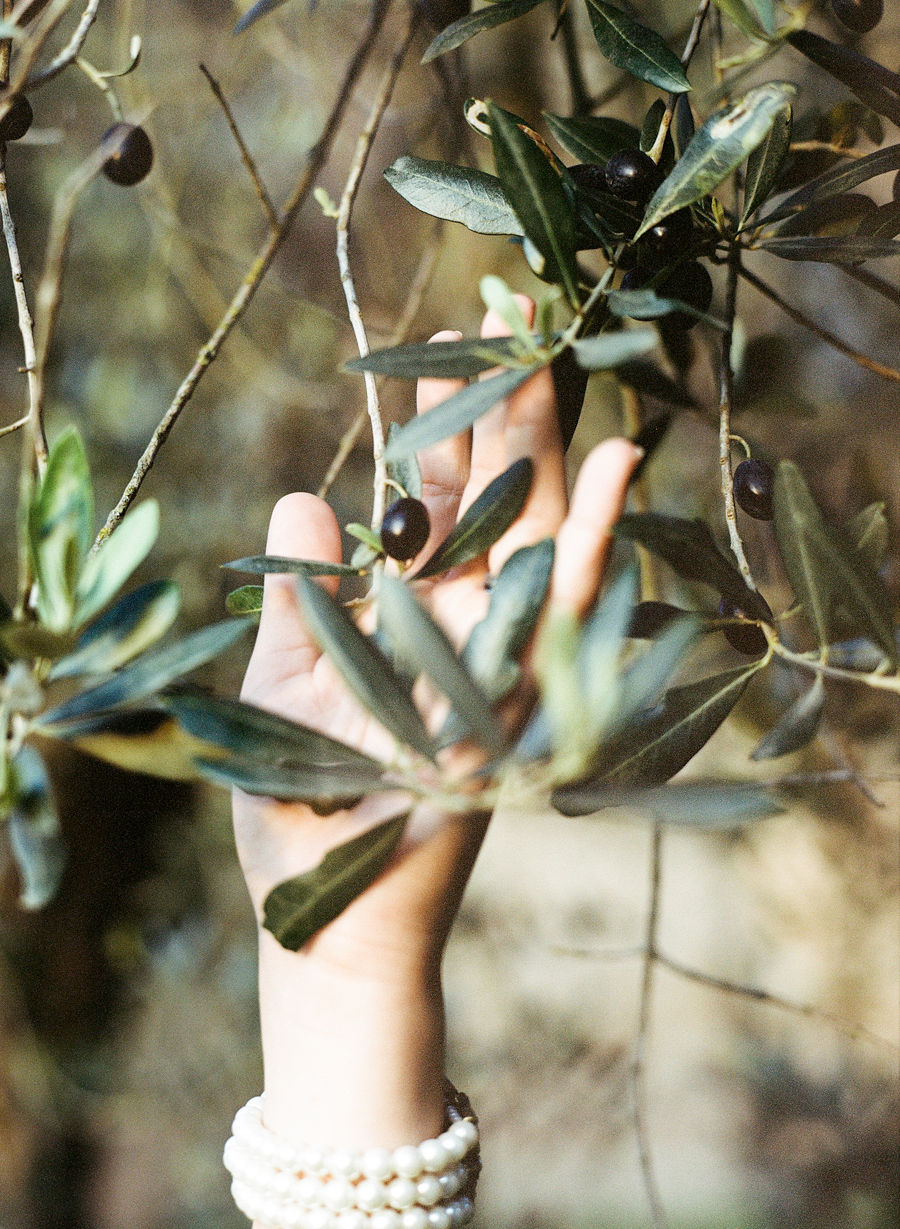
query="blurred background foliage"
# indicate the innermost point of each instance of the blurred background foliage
(127, 1007)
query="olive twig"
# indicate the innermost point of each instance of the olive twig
(208, 352)
(686, 57)
(345, 209)
(71, 50)
(881, 682)
(30, 49)
(726, 400)
(249, 163)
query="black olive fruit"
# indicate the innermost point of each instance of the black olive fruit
(632, 175)
(131, 154)
(588, 176)
(753, 483)
(861, 16)
(17, 119)
(405, 528)
(748, 639)
(666, 240)
(692, 284)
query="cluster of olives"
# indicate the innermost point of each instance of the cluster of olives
(130, 154)
(860, 16)
(405, 529)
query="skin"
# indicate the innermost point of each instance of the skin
(353, 1024)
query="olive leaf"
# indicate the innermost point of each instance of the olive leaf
(419, 643)
(689, 549)
(881, 223)
(298, 908)
(404, 471)
(592, 138)
(765, 162)
(869, 531)
(643, 679)
(109, 567)
(144, 740)
(457, 413)
(535, 191)
(795, 728)
(35, 839)
(718, 148)
(60, 529)
(439, 360)
(455, 194)
(467, 27)
(851, 249)
(363, 667)
(645, 377)
(700, 804)
(247, 600)
(871, 82)
(497, 297)
(608, 350)
(646, 304)
(259, 565)
(130, 627)
(485, 521)
(634, 48)
(838, 180)
(750, 23)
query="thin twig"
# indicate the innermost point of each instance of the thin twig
(856, 1031)
(14, 426)
(638, 1064)
(882, 682)
(686, 57)
(345, 209)
(71, 50)
(29, 51)
(887, 373)
(26, 323)
(316, 159)
(249, 163)
(726, 400)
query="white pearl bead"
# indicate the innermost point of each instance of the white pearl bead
(377, 1163)
(309, 1190)
(385, 1219)
(338, 1194)
(270, 1212)
(449, 1183)
(439, 1218)
(407, 1161)
(313, 1160)
(401, 1194)
(316, 1218)
(434, 1155)
(352, 1219)
(280, 1183)
(465, 1130)
(370, 1195)
(343, 1163)
(292, 1216)
(414, 1218)
(466, 1209)
(455, 1212)
(456, 1149)
(428, 1190)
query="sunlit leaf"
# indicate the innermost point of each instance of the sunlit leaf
(741, 15)
(298, 908)
(655, 746)
(105, 572)
(136, 622)
(635, 49)
(535, 191)
(718, 148)
(497, 297)
(457, 413)
(838, 180)
(61, 528)
(247, 600)
(849, 249)
(765, 162)
(440, 360)
(324, 789)
(871, 82)
(454, 193)
(868, 530)
(474, 23)
(33, 640)
(592, 138)
(795, 728)
(363, 667)
(485, 521)
(688, 547)
(610, 349)
(260, 565)
(701, 804)
(151, 672)
(34, 833)
(423, 647)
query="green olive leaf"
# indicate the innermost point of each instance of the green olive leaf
(881, 223)
(718, 148)
(645, 377)
(61, 529)
(689, 549)
(837, 180)
(608, 350)
(850, 249)
(467, 27)
(107, 569)
(260, 565)
(592, 138)
(700, 804)
(750, 23)
(363, 667)
(440, 360)
(454, 193)
(634, 48)
(247, 600)
(35, 839)
(485, 521)
(646, 304)
(765, 162)
(130, 627)
(869, 531)
(297, 909)
(795, 728)
(404, 470)
(873, 84)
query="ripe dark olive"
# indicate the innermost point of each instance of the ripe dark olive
(17, 119)
(861, 16)
(666, 240)
(131, 154)
(632, 175)
(588, 176)
(753, 483)
(405, 528)
(748, 639)
(691, 284)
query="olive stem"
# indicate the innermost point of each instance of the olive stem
(29, 50)
(882, 682)
(690, 47)
(726, 399)
(71, 50)
(249, 163)
(208, 352)
(345, 209)
(101, 81)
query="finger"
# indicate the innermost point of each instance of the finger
(583, 542)
(302, 527)
(444, 466)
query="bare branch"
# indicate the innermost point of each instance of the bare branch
(46, 23)
(316, 159)
(71, 50)
(726, 399)
(14, 426)
(249, 163)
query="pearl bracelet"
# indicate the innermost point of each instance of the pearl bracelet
(425, 1186)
